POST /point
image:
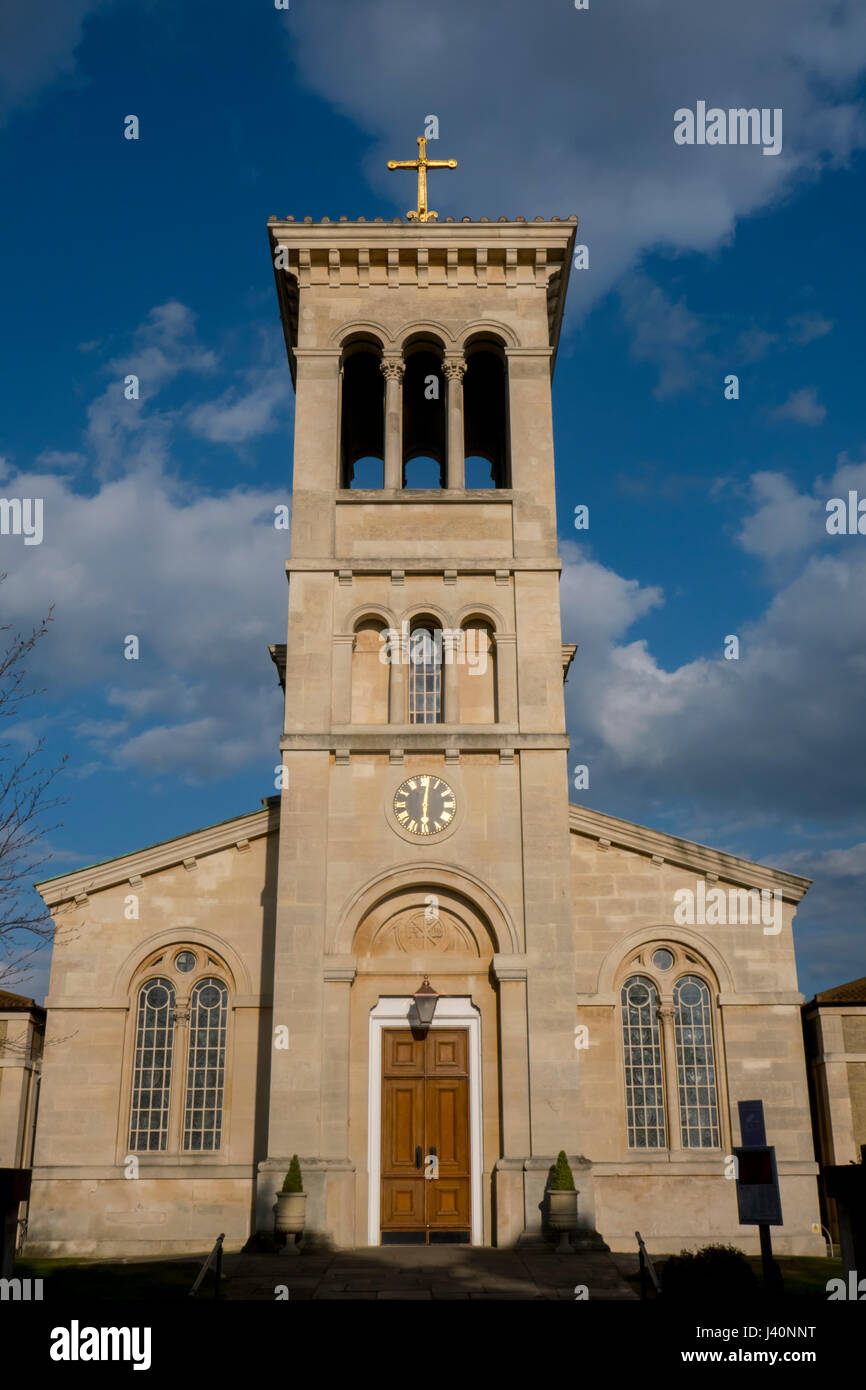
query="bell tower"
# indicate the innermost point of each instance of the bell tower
(424, 812)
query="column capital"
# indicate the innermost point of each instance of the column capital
(454, 367)
(392, 368)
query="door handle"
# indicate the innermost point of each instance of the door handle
(419, 1156)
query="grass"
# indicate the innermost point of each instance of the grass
(803, 1276)
(116, 1279)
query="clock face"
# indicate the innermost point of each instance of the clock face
(424, 805)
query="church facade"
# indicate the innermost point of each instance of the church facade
(230, 997)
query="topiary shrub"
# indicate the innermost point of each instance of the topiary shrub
(714, 1271)
(562, 1179)
(293, 1182)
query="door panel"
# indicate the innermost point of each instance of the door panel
(425, 1110)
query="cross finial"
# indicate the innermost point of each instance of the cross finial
(422, 213)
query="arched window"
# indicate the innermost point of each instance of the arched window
(476, 660)
(644, 1079)
(696, 1067)
(370, 673)
(423, 417)
(485, 416)
(425, 673)
(362, 417)
(151, 1081)
(205, 1082)
(181, 1018)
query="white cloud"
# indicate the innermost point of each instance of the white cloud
(198, 579)
(238, 416)
(664, 333)
(602, 87)
(778, 732)
(802, 408)
(783, 521)
(805, 328)
(37, 45)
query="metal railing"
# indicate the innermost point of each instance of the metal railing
(206, 1263)
(647, 1269)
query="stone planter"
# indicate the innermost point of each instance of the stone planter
(562, 1217)
(291, 1214)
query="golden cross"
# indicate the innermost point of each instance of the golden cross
(422, 164)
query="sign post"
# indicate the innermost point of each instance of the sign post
(759, 1202)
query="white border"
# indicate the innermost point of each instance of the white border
(451, 1011)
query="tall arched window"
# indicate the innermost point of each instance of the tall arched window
(485, 415)
(205, 1080)
(423, 416)
(425, 674)
(179, 1054)
(696, 1067)
(362, 416)
(151, 1081)
(644, 1079)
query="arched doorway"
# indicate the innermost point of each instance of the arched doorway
(424, 1104)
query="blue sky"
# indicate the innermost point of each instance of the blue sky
(706, 515)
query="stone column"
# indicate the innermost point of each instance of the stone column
(672, 1097)
(505, 648)
(397, 680)
(339, 975)
(454, 369)
(450, 677)
(510, 973)
(341, 677)
(392, 370)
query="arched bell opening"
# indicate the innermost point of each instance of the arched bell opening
(485, 415)
(424, 426)
(362, 416)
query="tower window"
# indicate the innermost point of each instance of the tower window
(423, 419)
(362, 417)
(425, 676)
(485, 416)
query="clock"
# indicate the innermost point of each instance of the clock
(424, 805)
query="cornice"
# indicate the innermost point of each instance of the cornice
(183, 849)
(670, 849)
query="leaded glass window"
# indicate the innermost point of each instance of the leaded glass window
(425, 677)
(151, 1081)
(696, 1068)
(205, 1082)
(644, 1079)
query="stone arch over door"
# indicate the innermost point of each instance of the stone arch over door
(428, 922)
(422, 879)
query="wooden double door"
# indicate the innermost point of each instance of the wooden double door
(426, 1183)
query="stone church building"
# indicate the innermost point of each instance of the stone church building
(230, 997)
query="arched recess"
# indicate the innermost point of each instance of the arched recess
(362, 412)
(422, 879)
(616, 960)
(478, 691)
(485, 413)
(370, 671)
